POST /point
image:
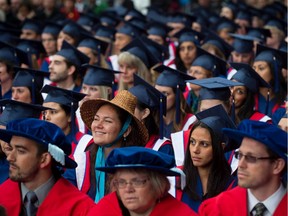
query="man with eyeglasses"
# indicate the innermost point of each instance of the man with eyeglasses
(262, 173)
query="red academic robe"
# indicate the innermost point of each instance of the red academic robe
(63, 199)
(169, 206)
(234, 203)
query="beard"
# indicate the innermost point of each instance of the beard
(22, 176)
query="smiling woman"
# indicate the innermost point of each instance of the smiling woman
(141, 184)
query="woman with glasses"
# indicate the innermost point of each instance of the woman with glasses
(140, 183)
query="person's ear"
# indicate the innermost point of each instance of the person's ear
(45, 160)
(127, 132)
(71, 70)
(223, 144)
(146, 113)
(279, 165)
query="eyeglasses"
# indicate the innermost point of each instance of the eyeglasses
(249, 158)
(136, 183)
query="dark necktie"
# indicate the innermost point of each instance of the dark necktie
(30, 206)
(260, 209)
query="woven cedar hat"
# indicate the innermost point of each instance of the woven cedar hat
(123, 100)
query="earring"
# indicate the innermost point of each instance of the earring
(124, 138)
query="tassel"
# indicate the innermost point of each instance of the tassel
(267, 102)
(57, 153)
(182, 176)
(177, 105)
(161, 127)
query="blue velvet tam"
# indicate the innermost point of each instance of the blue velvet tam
(62, 96)
(87, 19)
(98, 76)
(157, 28)
(215, 88)
(34, 47)
(138, 48)
(224, 23)
(171, 77)
(243, 43)
(130, 30)
(17, 110)
(104, 31)
(269, 135)
(29, 77)
(158, 50)
(140, 157)
(93, 43)
(249, 77)
(52, 28)
(44, 133)
(259, 33)
(72, 55)
(210, 62)
(215, 40)
(216, 118)
(12, 55)
(189, 35)
(32, 24)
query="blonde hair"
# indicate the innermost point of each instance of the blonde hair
(134, 61)
(105, 93)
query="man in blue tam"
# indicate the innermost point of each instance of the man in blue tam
(38, 149)
(65, 67)
(137, 169)
(262, 164)
(243, 48)
(31, 29)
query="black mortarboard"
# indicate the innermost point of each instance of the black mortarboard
(210, 62)
(9, 35)
(138, 48)
(52, 28)
(62, 96)
(151, 97)
(119, 10)
(277, 59)
(244, 15)
(93, 43)
(135, 13)
(189, 35)
(224, 23)
(180, 17)
(104, 31)
(108, 19)
(17, 110)
(12, 54)
(74, 30)
(243, 43)
(72, 55)
(217, 41)
(156, 49)
(33, 25)
(259, 33)
(140, 23)
(157, 28)
(216, 118)
(214, 88)
(233, 7)
(34, 47)
(248, 76)
(156, 14)
(129, 29)
(174, 79)
(87, 20)
(98, 76)
(278, 23)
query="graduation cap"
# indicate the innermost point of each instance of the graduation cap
(12, 54)
(17, 110)
(151, 97)
(130, 30)
(34, 47)
(157, 28)
(107, 19)
(33, 25)
(64, 97)
(74, 30)
(180, 17)
(244, 15)
(248, 76)
(243, 43)
(156, 14)
(210, 62)
(140, 23)
(72, 55)
(52, 28)
(278, 23)
(119, 10)
(189, 35)
(104, 31)
(277, 58)
(159, 51)
(93, 43)
(224, 23)
(174, 79)
(9, 35)
(215, 88)
(214, 39)
(259, 33)
(87, 20)
(135, 13)
(138, 48)
(216, 118)
(98, 76)
(231, 5)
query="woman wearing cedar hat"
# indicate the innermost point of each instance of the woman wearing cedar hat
(113, 125)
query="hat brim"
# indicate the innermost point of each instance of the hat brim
(238, 136)
(165, 171)
(6, 135)
(90, 107)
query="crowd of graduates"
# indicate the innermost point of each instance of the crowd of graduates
(109, 110)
